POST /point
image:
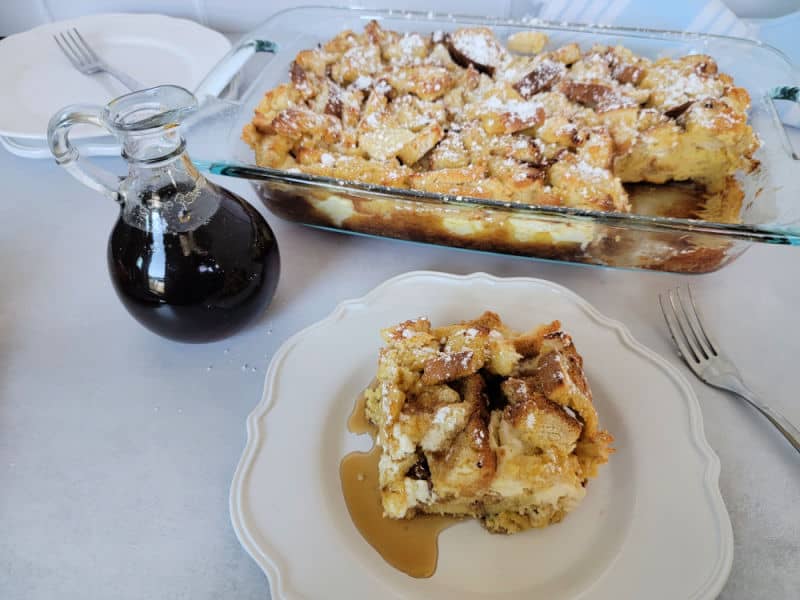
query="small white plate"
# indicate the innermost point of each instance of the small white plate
(653, 524)
(38, 79)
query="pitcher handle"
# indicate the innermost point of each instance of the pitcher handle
(67, 155)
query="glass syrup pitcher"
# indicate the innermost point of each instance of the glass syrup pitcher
(190, 260)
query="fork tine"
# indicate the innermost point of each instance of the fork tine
(712, 345)
(76, 56)
(694, 327)
(86, 45)
(66, 50)
(77, 47)
(683, 326)
(672, 324)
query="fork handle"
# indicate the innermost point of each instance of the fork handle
(781, 423)
(126, 80)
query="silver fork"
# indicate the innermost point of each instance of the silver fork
(704, 358)
(86, 60)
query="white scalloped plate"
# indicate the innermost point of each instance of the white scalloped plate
(653, 524)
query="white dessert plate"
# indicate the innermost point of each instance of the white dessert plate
(653, 524)
(154, 49)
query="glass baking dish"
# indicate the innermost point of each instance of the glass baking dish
(656, 236)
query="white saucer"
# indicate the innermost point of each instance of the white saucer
(39, 80)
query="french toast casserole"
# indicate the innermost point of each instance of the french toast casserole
(474, 419)
(465, 115)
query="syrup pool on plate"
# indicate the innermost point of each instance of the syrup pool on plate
(410, 545)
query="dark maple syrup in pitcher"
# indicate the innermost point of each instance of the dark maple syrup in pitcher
(199, 284)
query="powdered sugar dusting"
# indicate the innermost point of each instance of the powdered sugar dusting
(525, 110)
(682, 88)
(479, 48)
(382, 87)
(362, 82)
(410, 43)
(590, 172)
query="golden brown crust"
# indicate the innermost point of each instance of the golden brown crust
(450, 366)
(552, 425)
(530, 344)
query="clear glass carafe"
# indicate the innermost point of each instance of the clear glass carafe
(190, 260)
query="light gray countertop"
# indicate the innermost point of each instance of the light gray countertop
(117, 447)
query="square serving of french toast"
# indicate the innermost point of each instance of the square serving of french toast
(477, 420)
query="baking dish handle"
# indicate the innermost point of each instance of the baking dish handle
(228, 67)
(792, 94)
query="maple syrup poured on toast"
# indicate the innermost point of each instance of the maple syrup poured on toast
(410, 545)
